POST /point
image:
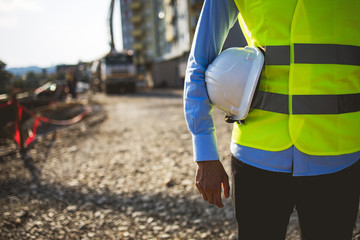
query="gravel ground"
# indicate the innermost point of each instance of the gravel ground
(124, 172)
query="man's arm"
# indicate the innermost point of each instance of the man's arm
(215, 21)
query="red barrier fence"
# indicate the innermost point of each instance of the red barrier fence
(20, 109)
(8, 103)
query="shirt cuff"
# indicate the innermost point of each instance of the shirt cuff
(205, 147)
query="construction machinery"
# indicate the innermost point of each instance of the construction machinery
(116, 71)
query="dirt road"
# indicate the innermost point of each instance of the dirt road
(125, 172)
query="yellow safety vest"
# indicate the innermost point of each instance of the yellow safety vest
(309, 92)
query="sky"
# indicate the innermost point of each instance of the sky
(45, 33)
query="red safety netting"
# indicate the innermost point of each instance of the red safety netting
(5, 104)
(38, 119)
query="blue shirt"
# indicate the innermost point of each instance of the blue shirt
(215, 21)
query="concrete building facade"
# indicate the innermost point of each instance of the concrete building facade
(160, 33)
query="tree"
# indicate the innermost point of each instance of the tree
(5, 79)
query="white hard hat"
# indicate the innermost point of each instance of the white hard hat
(231, 80)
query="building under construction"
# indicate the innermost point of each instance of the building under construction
(160, 33)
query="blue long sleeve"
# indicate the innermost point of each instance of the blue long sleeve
(215, 21)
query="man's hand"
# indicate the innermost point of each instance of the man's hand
(210, 176)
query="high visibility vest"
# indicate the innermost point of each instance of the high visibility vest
(309, 91)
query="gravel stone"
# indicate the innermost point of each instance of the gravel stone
(124, 172)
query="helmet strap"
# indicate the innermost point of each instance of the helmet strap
(229, 119)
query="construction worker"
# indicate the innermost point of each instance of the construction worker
(300, 145)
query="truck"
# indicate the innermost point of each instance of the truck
(118, 72)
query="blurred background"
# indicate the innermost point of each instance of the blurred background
(45, 41)
(93, 141)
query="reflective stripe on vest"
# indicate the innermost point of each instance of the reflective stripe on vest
(310, 104)
(277, 55)
(327, 54)
(273, 102)
(313, 54)
(307, 104)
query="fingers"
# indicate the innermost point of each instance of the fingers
(202, 192)
(217, 199)
(211, 195)
(226, 187)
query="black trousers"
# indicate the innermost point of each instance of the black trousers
(327, 205)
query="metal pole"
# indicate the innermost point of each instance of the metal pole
(111, 30)
(18, 123)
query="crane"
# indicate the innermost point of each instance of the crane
(111, 30)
